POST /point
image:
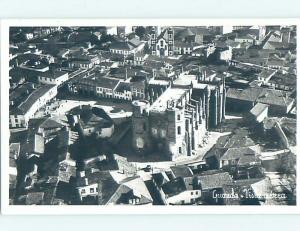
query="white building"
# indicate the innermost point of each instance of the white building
(20, 115)
(53, 77)
(113, 30)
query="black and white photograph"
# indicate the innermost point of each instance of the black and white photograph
(151, 115)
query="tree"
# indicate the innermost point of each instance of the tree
(140, 31)
(147, 49)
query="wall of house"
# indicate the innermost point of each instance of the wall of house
(22, 120)
(263, 115)
(226, 55)
(186, 197)
(86, 191)
(57, 81)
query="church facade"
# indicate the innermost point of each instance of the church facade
(162, 44)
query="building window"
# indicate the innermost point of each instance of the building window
(161, 43)
(180, 150)
(83, 191)
(192, 193)
(154, 131)
(178, 117)
(92, 190)
(178, 130)
(196, 192)
(163, 133)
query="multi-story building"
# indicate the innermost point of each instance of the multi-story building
(163, 44)
(20, 114)
(176, 123)
(53, 77)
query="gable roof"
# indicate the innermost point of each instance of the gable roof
(181, 171)
(213, 181)
(261, 95)
(163, 34)
(174, 187)
(33, 97)
(122, 46)
(237, 153)
(111, 192)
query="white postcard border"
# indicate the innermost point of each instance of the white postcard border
(121, 209)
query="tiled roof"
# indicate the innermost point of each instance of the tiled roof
(34, 198)
(107, 82)
(52, 74)
(174, 187)
(213, 181)
(275, 97)
(181, 171)
(122, 46)
(237, 153)
(35, 145)
(249, 94)
(261, 95)
(33, 97)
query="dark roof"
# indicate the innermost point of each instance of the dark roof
(159, 179)
(50, 123)
(22, 91)
(174, 187)
(52, 74)
(32, 98)
(123, 86)
(237, 140)
(122, 46)
(213, 181)
(93, 177)
(110, 191)
(181, 171)
(44, 123)
(92, 116)
(262, 95)
(249, 94)
(275, 97)
(35, 145)
(247, 159)
(107, 82)
(237, 153)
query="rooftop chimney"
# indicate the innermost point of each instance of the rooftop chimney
(82, 174)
